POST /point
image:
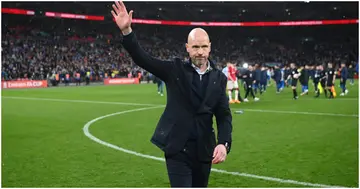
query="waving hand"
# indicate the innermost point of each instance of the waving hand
(122, 17)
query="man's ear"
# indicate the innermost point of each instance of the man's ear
(209, 47)
(187, 47)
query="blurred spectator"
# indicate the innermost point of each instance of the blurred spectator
(38, 53)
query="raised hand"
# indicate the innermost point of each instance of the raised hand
(122, 17)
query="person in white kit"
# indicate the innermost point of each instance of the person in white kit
(225, 70)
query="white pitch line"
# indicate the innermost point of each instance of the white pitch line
(140, 104)
(92, 137)
(305, 113)
(88, 134)
(81, 101)
(320, 98)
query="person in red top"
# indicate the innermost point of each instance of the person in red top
(67, 79)
(232, 83)
(78, 78)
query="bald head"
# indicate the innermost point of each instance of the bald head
(198, 33)
(198, 46)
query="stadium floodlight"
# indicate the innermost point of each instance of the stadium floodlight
(245, 65)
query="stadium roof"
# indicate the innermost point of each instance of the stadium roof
(207, 11)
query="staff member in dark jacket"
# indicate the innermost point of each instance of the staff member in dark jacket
(316, 79)
(196, 91)
(249, 81)
(277, 78)
(263, 79)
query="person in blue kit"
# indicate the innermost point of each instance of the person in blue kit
(257, 76)
(343, 77)
(311, 71)
(282, 78)
(160, 85)
(304, 80)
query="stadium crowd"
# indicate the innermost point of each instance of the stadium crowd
(35, 54)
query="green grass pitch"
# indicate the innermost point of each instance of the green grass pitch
(43, 144)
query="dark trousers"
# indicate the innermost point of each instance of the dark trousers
(249, 90)
(87, 80)
(316, 83)
(160, 85)
(239, 97)
(256, 86)
(185, 170)
(343, 85)
(322, 83)
(278, 85)
(263, 85)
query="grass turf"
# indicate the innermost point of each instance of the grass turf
(43, 144)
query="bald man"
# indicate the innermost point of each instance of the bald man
(196, 91)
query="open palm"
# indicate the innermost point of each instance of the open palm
(122, 17)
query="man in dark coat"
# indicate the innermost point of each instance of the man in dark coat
(196, 91)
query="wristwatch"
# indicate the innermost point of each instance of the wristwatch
(227, 146)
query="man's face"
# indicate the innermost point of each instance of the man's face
(198, 47)
(292, 66)
(343, 65)
(329, 65)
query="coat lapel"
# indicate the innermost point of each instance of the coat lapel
(189, 78)
(186, 82)
(189, 75)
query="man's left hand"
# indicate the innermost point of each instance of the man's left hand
(219, 154)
